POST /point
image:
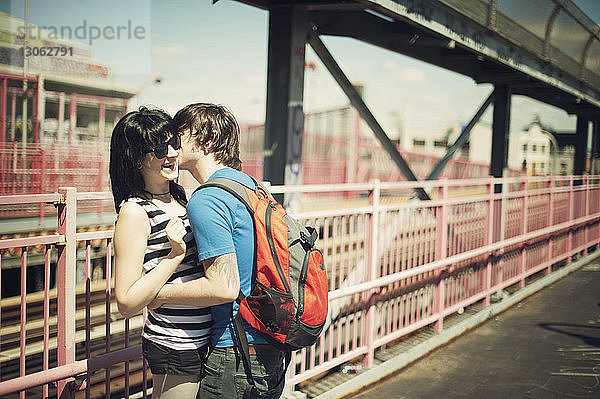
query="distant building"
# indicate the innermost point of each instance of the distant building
(536, 149)
(69, 95)
(531, 150)
(542, 151)
(476, 150)
(57, 112)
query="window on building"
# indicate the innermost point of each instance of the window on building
(524, 147)
(543, 148)
(563, 168)
(534, 148)
(543, 166)
(440, 143)
(420, 143)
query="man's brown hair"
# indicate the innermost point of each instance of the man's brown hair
(211, 122)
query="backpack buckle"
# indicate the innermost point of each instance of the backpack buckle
(312, 237)
(309, 240)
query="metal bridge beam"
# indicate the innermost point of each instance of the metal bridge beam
(500, 129)
(581, 138)
(358, 103)
(461, 140)
(284, 120)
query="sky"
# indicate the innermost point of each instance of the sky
(218, 53)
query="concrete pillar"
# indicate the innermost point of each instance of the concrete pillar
(72, 117)
(60, 117)
(41, 108)
(101, 122)
(595, 161)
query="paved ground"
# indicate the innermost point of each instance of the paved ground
(547, 346)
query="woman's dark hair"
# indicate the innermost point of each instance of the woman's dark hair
(137, 133)
(211, 122)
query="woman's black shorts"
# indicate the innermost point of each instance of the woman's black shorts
(164, 360)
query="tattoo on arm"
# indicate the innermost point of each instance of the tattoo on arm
(224, 268)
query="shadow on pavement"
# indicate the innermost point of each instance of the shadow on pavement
(567, 329)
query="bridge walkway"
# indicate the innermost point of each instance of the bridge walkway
(545, 346)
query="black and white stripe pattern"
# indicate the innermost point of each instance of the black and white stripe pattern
(179, 327)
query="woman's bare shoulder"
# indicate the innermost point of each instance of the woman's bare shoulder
(132, 215)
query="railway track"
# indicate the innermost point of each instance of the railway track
(10, 352)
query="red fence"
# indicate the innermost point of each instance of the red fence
(334, 151)
(394, 267)
(37, 169)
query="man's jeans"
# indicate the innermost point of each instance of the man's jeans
(225, 376)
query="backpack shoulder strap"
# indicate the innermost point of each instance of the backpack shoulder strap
(231, 186)
(260, 188)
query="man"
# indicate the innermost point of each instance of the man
(224, 233)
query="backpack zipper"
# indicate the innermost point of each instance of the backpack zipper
(302, 284)
(272, 246)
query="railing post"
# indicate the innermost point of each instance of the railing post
(489, 241)
(571, 212)
(3, 99)
(500, 234)
(65, 281)
(587, 212)
(372, 268)
(441, 253)
(100, 181)
(524, 213)
(549, 223)
(596, 195)
(43, 179)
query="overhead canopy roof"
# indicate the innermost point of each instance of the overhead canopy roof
(545, 49)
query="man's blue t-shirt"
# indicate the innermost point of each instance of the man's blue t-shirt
(222, 225)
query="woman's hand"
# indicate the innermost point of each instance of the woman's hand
(175, 232)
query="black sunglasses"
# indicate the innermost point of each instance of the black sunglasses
(161, 150)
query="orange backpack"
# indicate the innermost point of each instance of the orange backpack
(289, 301)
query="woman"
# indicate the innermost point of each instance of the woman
(154, 246)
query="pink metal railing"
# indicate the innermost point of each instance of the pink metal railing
(394, 265)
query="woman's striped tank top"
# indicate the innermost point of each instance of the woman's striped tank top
(179, 327)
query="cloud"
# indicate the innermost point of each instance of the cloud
(406, 75)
